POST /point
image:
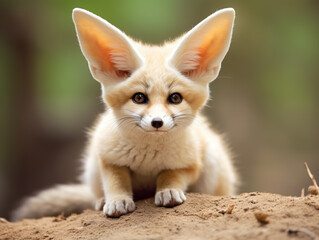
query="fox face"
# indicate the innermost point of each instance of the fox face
(156, 101)
(154, 89)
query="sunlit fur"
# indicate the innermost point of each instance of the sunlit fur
(126, 156)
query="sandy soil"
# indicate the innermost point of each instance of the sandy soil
(200, 217)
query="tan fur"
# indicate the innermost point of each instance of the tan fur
(178, 178)
(127, 156)
(119, 179)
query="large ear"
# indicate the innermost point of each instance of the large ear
(109, 52)
(199, 52)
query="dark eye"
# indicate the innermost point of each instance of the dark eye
(139, 98)
(175, 98)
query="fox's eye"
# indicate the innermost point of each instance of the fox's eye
(139, 98)
(175, 98)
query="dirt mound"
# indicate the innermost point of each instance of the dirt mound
(246, 216)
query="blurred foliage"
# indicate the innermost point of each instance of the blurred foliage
(265, 99)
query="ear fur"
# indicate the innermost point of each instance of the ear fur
(109, 52)
(199, 52)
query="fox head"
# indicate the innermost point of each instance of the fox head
(154, 88)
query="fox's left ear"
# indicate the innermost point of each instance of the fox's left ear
(110, 53)
(200, 52)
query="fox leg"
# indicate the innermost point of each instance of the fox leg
(171, 184)
(117, 188)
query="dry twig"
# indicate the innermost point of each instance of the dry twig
(302, 192)
(303, 230)
(230, 208)
(312, 177)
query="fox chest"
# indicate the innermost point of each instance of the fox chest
(148, 159)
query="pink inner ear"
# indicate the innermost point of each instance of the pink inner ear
(98, 47)
(211, 46)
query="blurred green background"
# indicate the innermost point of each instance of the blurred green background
(265, 99)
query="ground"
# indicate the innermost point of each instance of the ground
(246, 216)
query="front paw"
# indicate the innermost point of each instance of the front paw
(169, 197)
(118, 207)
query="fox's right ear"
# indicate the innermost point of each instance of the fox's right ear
(109, 52)
(200, 52)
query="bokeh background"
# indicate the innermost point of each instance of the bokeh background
(265, 99)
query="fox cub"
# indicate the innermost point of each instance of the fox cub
(152, 138)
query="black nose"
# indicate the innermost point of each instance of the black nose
(157, 122)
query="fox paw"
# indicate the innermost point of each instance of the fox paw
(169, 197)
(118, 207)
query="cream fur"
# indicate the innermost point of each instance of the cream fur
(126, 156)
(72, 198)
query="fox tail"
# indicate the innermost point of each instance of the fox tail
(66, 199)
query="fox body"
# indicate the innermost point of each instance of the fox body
(152, 138)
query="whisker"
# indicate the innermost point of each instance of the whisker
(126, 121)
(182, 119)
(130, 111)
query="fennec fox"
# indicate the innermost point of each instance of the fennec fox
(152, 138)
